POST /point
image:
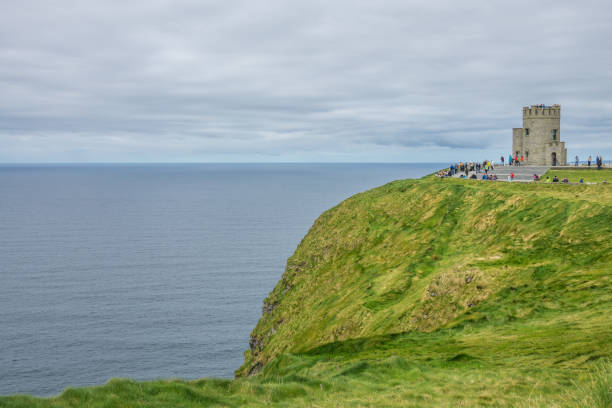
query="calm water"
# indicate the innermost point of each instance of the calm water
(150, 271)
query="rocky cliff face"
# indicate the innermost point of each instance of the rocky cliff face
(425, 255)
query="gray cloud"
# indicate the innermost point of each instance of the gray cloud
(276, 80)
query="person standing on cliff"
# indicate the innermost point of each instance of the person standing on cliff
(502, 160)
(589, 160)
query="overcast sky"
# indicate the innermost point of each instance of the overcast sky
(238, 80)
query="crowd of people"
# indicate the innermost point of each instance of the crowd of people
(463, 170)
(485, 170)
(515, 160)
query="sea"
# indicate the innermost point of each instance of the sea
(150, 271)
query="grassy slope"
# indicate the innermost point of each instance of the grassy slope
(425, 293)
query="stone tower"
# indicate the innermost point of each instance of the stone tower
(539, 140)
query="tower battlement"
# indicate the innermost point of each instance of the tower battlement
(541, 112)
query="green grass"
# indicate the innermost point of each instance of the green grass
(588, 175)
(424, 293)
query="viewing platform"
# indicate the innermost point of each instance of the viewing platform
(521, 173)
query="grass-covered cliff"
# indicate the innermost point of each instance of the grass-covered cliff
(448, 256)
(431, 292)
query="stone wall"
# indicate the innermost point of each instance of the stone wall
(518, 138)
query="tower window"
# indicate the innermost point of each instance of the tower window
(526, 132)
(554, 132)
(527, 155)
